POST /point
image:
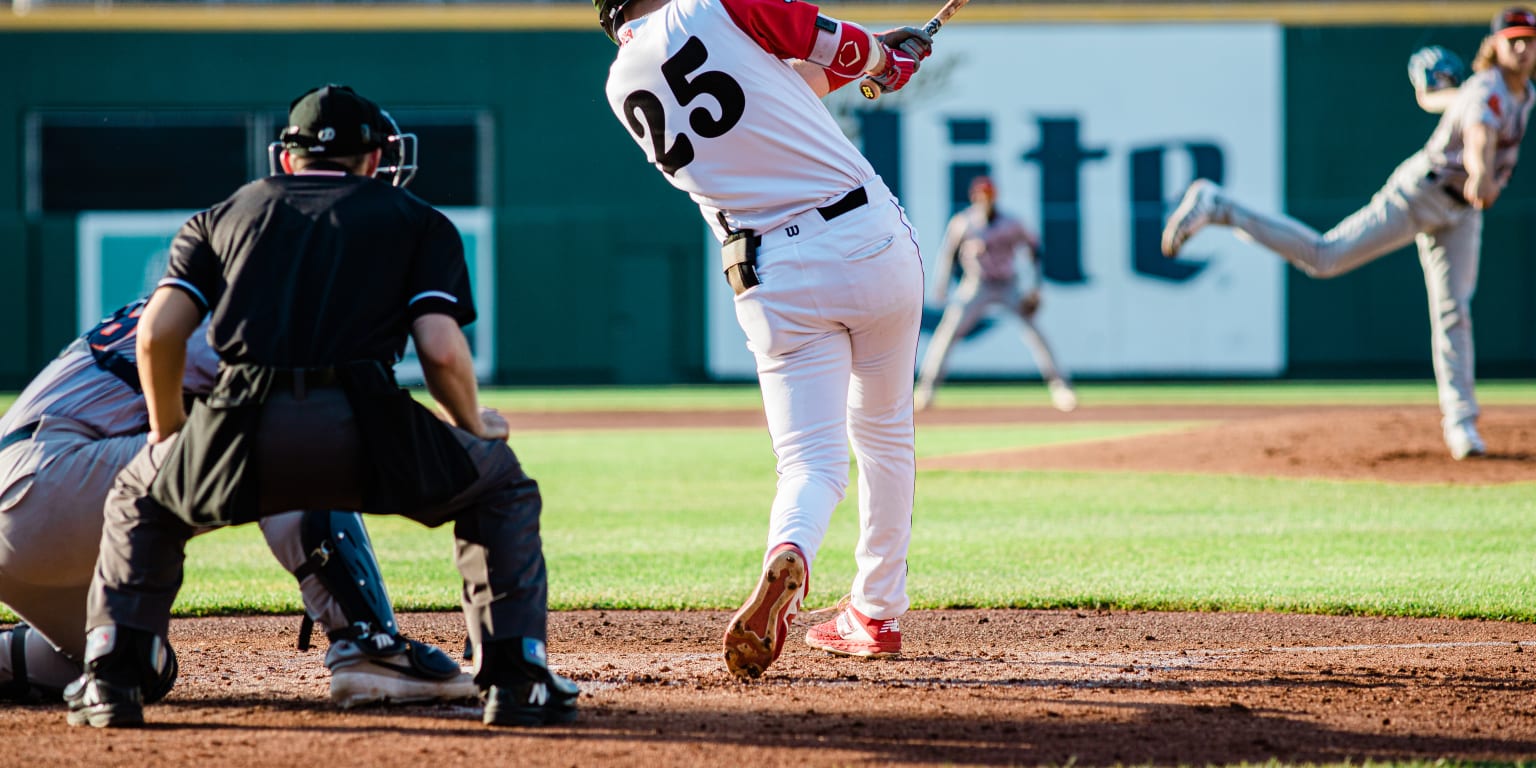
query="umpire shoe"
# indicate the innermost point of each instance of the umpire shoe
(380, 668)
(119, 661)
(1464, 441)
(519, 689)
(853, 634)
(755, 637)
(1198, 208)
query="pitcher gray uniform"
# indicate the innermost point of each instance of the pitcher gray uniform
(1424, 201)
(69, 433)
(987, 242)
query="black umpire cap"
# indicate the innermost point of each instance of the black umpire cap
(334, 121)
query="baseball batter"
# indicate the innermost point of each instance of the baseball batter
(67, 436)
(723, 96)
(1435, 198)
(987, 243)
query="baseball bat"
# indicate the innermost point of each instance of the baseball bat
(872, 89)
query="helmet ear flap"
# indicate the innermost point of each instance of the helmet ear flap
(608, 16)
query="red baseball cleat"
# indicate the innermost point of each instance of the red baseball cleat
(854, 634)
(756, 634)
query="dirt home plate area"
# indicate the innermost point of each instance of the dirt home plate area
(981, 687)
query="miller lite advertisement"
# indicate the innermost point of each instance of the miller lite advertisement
(1091, 134)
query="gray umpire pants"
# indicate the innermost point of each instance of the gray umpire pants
(306, 456)
(1408, 208)
(972, 299)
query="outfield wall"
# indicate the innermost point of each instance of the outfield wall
(601, 272)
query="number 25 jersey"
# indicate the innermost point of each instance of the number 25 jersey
(703, 87)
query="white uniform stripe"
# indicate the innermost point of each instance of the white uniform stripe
(432, 295)
(176, 281)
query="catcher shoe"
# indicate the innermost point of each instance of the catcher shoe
(755, 637)
(854, 634)
(1198, 208)
(1464, 441)
(382, 668)
(119, 662)
(1062, 396)
(519, 688)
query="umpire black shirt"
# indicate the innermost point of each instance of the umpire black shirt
(319, 268)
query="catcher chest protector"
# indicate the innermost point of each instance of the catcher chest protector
(341, 557)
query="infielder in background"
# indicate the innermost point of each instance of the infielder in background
(64, 440)
(987, 242)
(1436, 198)
(724, 98)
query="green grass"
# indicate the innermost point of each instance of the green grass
(1245, 392)
(676, 519)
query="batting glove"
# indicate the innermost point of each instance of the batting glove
(910, 40)
(899, 68)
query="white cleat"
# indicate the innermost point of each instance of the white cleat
(1062, 396)
(1464, 441)
(1197, 209)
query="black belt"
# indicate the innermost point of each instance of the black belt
(1448, 189)
(858, 198)
(301, 380)
(17, 435)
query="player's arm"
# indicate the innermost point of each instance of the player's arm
(449, 370)
(439, 307)
(161, 346)
(1435, 102)
(193, 283)
(1481, 145)
(841, 50)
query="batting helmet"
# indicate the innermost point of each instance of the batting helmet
(609, 14)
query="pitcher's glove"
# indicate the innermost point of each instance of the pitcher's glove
(1435, 68)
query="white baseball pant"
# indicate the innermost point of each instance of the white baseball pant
(834, 328)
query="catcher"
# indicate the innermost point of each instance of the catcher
(1435, 198)
(986, 242)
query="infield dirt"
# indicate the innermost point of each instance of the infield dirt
(988, 687)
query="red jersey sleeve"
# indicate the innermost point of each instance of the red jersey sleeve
(784, 29)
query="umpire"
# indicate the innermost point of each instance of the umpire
(314, 278)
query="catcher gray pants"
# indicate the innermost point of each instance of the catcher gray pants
(305, 456)
(1410, 207)
(52, 488)
(971, 300)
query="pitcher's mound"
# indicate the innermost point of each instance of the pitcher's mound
(1399, 445)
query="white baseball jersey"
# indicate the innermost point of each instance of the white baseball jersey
(726, 120)
(1483, 98)
(987, 248)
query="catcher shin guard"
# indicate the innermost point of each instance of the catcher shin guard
(341, 558)
(124, 668)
